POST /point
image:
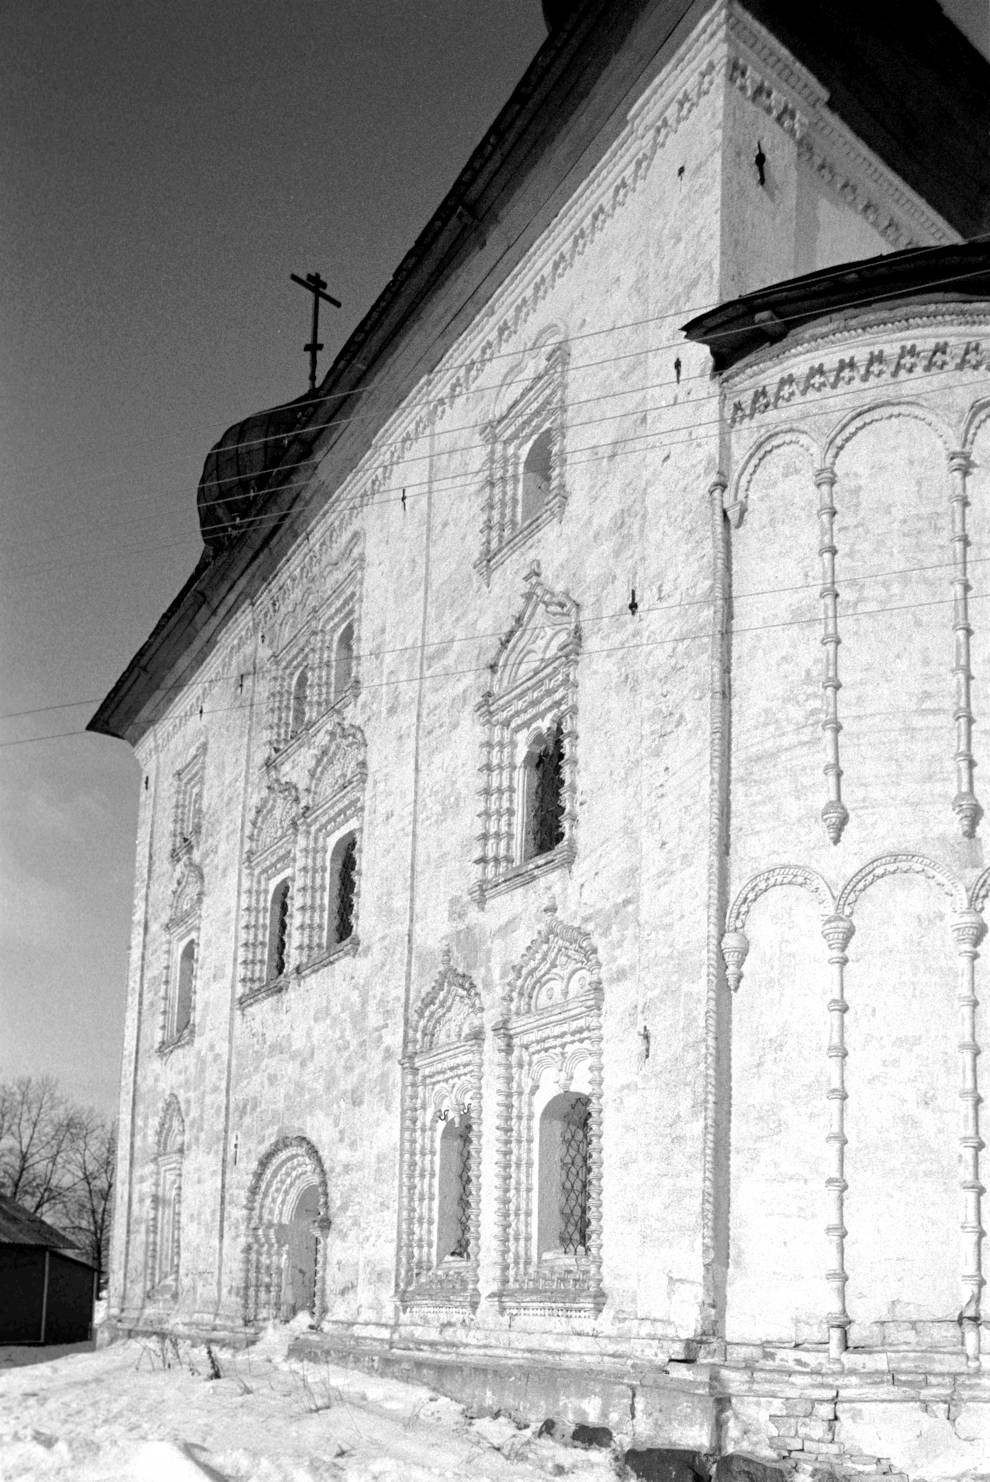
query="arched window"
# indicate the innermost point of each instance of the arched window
(278, 930)
(343, 661)
(453, 1224)
(534, 489)
(563, 1173)
(343, 889)
(300, 686)
(182, 1008)
(543, 789)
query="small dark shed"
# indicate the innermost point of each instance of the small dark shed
(47, 1288)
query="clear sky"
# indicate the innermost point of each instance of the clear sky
(164, 167)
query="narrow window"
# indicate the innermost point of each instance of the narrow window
(278, 930)
(454, 1190)
(564, 1176)
(343, 883)
(300, 685)
(182, 1012)
(343, 661)
(535, 485)
(543, 795)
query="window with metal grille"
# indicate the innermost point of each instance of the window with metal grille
(454, 1189)
(343, 889)
(300, 687)
(544, 795)
(574, 1175)
(278, 930)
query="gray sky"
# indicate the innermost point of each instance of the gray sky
(164, 168)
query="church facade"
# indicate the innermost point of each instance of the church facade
(560, 879)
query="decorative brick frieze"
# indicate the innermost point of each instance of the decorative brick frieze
(533, 691)
(859, 367)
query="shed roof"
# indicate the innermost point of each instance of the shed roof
(18, 1226)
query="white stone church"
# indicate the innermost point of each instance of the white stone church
(560, 872)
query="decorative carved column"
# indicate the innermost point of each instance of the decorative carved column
(595, 1202)
(835, 815)
(503, 1152)
(838, 932)
(964, 804)
(968, 928)
(409, 1167)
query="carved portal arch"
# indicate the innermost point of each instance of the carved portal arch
(850, 427)
(549, 1043)
(287, 1228)
(442, 1143)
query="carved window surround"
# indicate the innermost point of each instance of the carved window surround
(187, 813)
(334, 807)
(549, 1040)
(269, 859)
(163, 1250)
(183, 924)
(312, 643)
(441, 1078)
(538, 408)
(534, 687)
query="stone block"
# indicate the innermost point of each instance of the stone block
(738, 1466)
(814, 1429)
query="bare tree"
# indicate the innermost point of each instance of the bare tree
(87, 1205)
(57, 1160)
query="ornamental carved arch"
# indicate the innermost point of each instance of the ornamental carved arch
(850, 427)
(187, 897)
(170, 1136)
(287, 1227)
(560, 967)
(772, 879)
(901, 864)
(738, 495)
(340, 763)
(275, 818)
(449, 1012)
(976, 419)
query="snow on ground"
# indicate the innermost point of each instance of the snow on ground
(149, 1411)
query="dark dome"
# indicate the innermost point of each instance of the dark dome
(240, 466)
(555, 12)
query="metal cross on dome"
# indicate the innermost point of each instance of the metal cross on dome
(315, 285)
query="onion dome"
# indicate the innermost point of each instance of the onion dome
(242, 465)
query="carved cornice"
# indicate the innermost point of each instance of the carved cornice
(863, 367)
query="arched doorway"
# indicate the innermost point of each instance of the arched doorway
(288, 1225)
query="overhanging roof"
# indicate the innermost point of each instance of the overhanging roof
(903, 78)
(738, 328)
